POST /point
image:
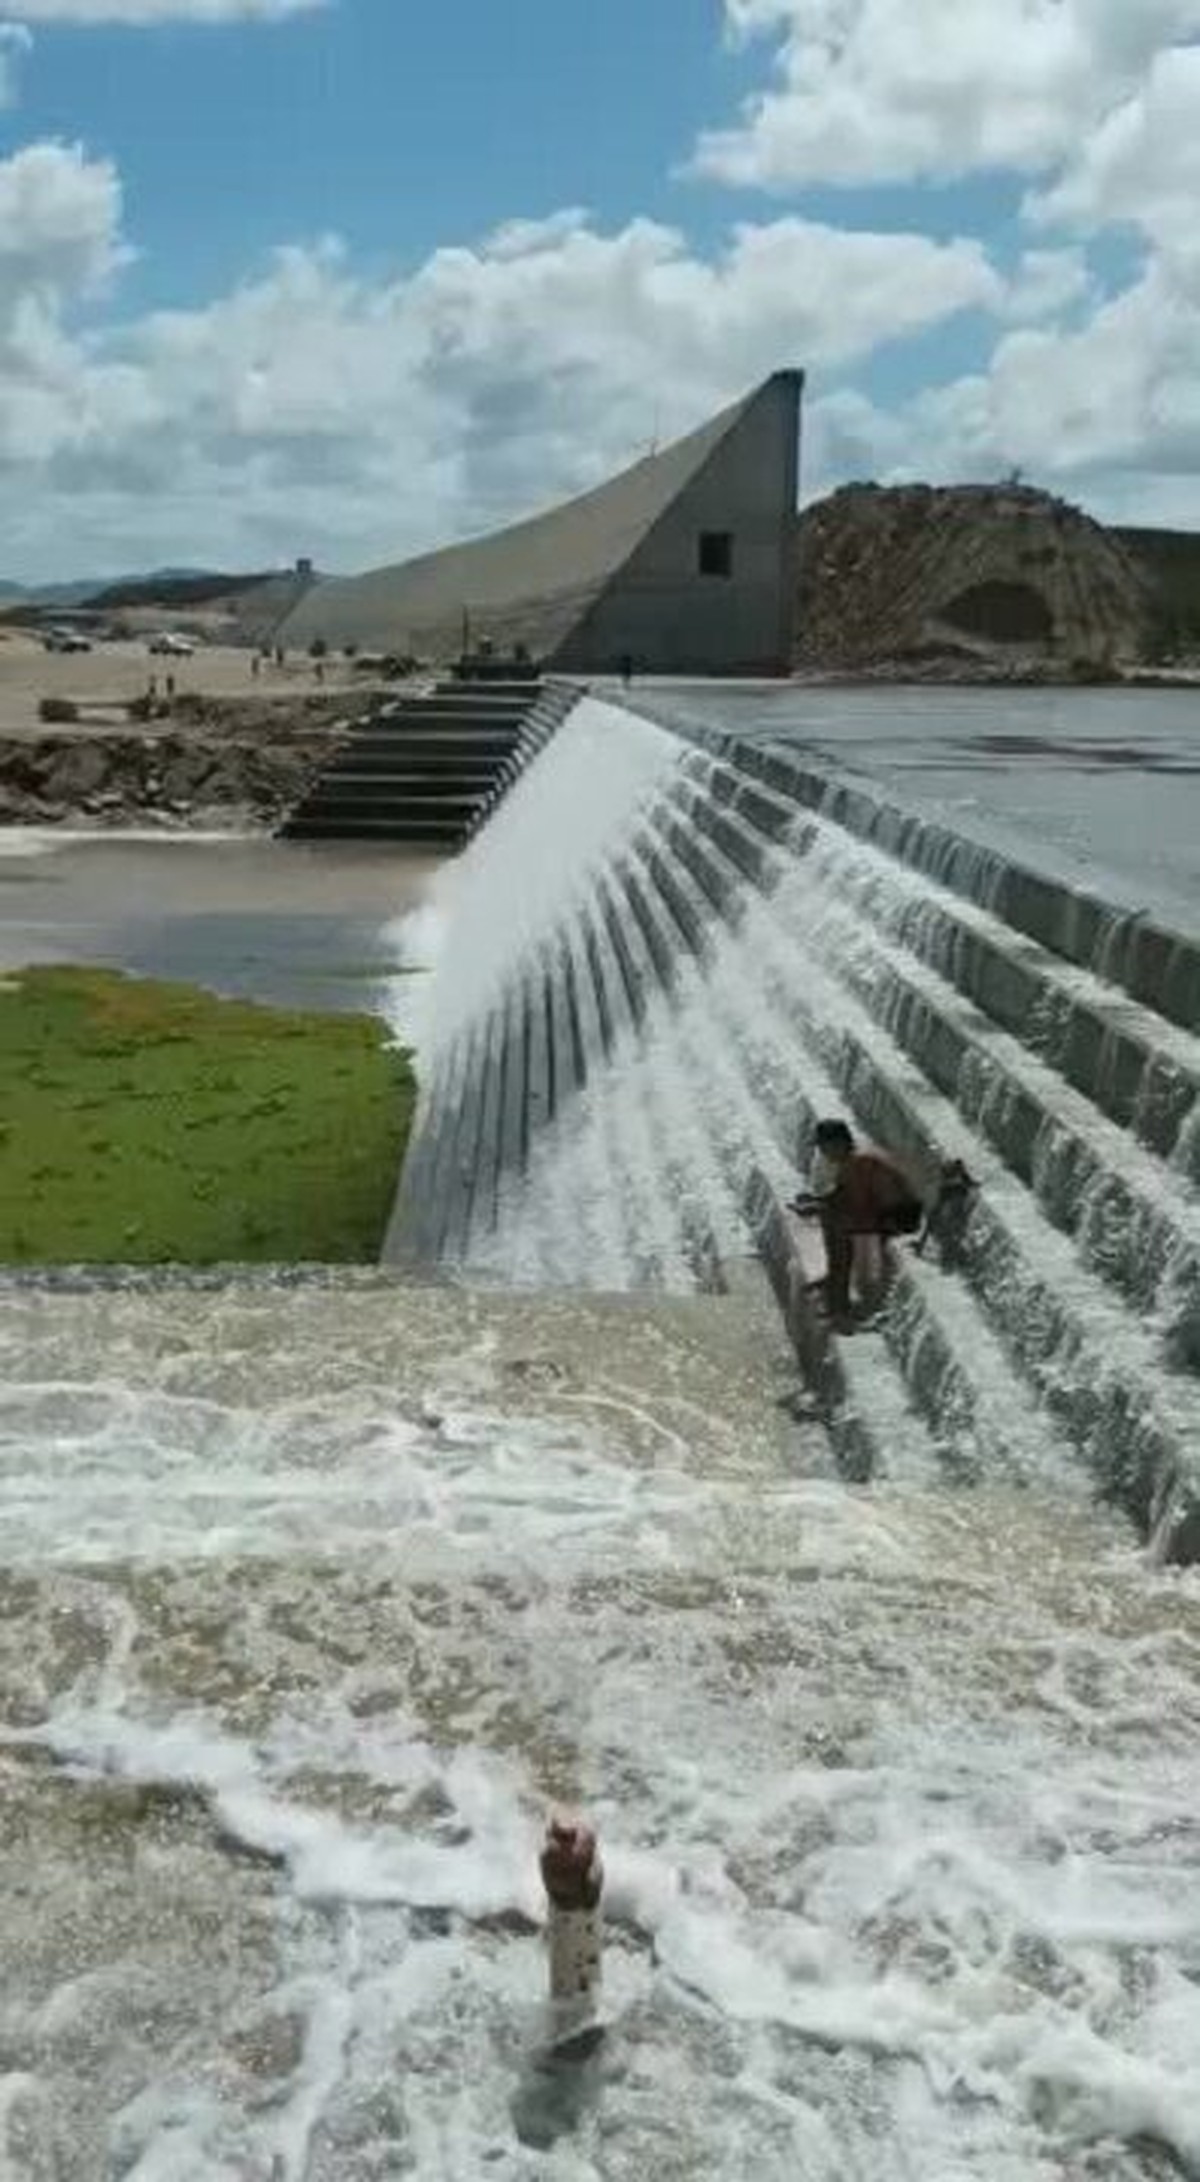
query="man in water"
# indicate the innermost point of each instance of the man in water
(863, 1202)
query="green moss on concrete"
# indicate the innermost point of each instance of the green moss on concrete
(152, 1124)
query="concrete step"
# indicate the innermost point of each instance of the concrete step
(498, 692)
(398, 813)
(481, 748)
(430, 769)
(447, 799)
(396, 785)
(433, 714)
(442, 831)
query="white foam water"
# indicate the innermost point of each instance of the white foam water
(309, 1603)
(417, 940)
(537, 858)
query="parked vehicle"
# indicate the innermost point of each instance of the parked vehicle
(66, 640)
(167, 645)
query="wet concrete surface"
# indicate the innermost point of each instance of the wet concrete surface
(1097, 787)
(293, 924)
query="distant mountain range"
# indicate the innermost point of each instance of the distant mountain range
(81, 588)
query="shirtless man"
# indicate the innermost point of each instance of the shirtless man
(863, 1202)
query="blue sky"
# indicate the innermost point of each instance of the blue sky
(977, 241)
(397, 128)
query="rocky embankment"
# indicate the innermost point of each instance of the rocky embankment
(211, 761)
(967, 583)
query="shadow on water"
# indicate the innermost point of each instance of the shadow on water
(560, 2090)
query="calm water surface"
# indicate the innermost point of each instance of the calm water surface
(1098, 787)
(298, 925)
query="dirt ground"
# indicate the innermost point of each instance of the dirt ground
(28, 673)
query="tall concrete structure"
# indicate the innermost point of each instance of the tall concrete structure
(684, 564)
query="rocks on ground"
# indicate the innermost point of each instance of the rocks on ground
(211, 757)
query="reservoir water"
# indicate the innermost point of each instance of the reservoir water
(1098, 786)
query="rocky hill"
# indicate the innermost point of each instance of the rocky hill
(995, 574)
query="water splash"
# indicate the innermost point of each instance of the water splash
(895, 1872)
(536, 861)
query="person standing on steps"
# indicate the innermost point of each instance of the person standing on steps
(863, 1201)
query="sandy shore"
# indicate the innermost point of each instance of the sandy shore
(116, 671)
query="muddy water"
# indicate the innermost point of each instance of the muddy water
(294, 924)
(309, 1600)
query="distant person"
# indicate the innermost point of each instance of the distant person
(280, 655)
(627, 669)
(256, 664)
(863, 1201)
(170, 686)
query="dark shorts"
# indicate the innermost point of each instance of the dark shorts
(903, 1220)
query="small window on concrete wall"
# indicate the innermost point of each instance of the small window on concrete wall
(716, 553)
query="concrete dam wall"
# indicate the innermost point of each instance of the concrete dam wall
(667, 956)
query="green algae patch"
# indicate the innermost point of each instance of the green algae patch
(154, 1124)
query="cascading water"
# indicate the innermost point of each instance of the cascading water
(754, 964)
(533, 864)
(314, 1596)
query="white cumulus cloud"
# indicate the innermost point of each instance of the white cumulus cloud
(1121, 394)
(1048, 283)
(1141, 166)
(60, 221)
(1090, 386)
(894, 90)
(1107, 412)
(313, 409)
(316, 408)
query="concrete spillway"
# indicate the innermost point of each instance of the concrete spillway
(317, 1589)
(667, 956)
